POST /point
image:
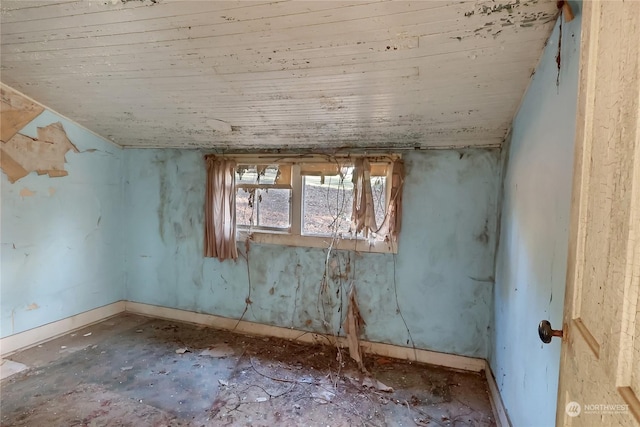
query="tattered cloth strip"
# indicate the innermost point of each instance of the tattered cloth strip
(352, 326)
(363, 214)
(220, 209)
(394, 207)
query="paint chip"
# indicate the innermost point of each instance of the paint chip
(9, 367)
(17, 110)
(375, 384)
(25, 192)
(45, 154)
(33, 306)
(323, 396)
(126, 368)
(219, 126)
(220, 351)
(86, 335)
(182, 350)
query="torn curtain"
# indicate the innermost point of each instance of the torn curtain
(220, 209)
(363, 213)
(394, 207)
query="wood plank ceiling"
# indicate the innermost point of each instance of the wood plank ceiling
(278, 74)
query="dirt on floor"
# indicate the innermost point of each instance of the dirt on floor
(136, 371)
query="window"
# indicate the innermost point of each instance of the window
(309, 202)
(327, 204)
(263, 201)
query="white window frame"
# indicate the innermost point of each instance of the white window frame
(294, 236)
(263, 228)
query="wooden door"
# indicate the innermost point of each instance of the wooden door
(600, 362)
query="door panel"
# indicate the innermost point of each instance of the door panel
(600, 362)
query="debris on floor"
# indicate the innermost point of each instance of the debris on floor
(9, 368)
(222, 350)
(137, 379)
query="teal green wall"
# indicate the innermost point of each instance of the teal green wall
(534, 236)
(62, 247)
(443, 269)
(128, 225)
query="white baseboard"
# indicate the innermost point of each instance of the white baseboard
(406, 353)
(502, 419)
(26, 339)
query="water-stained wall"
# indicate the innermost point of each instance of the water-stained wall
(532, 255)
(441, 278)
(62, 237)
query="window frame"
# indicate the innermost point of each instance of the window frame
(266, 187)
(293, 236)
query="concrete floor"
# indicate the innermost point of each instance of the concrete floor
(137, 371)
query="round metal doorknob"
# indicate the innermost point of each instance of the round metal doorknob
(546, 332)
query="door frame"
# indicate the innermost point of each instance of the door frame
(597, 18)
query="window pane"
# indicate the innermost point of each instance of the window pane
(273, 207)
(256, 174)
(327, 206)
(262, 207)
(244, 207)
(379, 191)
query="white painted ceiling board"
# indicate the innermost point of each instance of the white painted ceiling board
(283, 74)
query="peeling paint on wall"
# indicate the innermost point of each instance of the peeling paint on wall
(45, 229)
(16, 111)
(25, 192)
(45, 154)
(33, 306)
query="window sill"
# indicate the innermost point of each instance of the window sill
(322, 242)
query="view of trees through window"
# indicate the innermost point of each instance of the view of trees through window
(257, 202)
(263, 207)
(327, 206)
(327, 202)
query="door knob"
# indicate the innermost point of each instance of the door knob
(546, 332)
